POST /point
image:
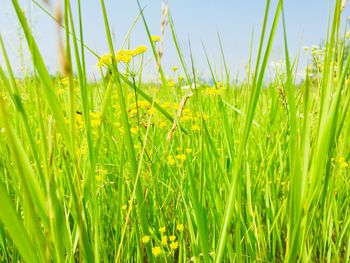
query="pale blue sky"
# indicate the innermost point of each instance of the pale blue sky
(197, 20)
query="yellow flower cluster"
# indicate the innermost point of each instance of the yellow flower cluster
(123, 55)
(213, 91)
(174, 245)
(340, 162)
(95, 119)
(162, 245)
(155, 38)
(156, 251)
(145, 239)
(105, 61)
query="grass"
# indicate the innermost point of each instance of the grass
(251, 171)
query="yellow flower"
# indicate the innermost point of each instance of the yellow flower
(172, 238)
(151, 110)
(65, 81)
(125, 52)
(174, 68)
(124, 207)
(140, 104)
(60, 92)
(171, 83)
(133, 112)
(95, 119)
(125, 59)
(181, 157)
(79, 121)
(340, 161)
(105, 61)
(188, 150)
(174, 245)
(213, 91)
(162, 229)
(164, 240)
(145, 239)
(205, 116)
(344, 165)
(162, 124)
(195, 128)
(124, 55)
(134, 130)
(155, 38)
(139, 50)
(180, 227)
(171, 161)
(156, 251)
(101, 174)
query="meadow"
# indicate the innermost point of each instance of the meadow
(176, 169)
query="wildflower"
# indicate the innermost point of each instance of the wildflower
(105, 61)
(174, 245)
(180, 227)
(156, 251)
(162, 229)
(166, 105)
(212, 91)
(205, 116)
(134, 130)
(151, 110)
(140, 104)
(65, 81)
(124, 55)
(344, 165)
(188, 150)
(179, 149)
(101, 174)
(181, 157)
(186, 117)
(162, 124)
(145, 239)
(124, 207)
(174, 68)
(172, 238)
(99, 177)
(164, 240)
(125, 52)
(171, 82)
(171, 161)
(133, 112)
(139, 50)
(125, 59)
(95, 119)
(60, 92)
(195, 127)
(155, 38)
(79, 121)
(341, 162)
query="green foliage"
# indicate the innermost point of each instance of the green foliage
(120, 170)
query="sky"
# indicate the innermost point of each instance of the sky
(197, 21)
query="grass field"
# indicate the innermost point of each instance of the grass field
(175, 170)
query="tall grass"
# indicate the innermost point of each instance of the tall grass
(251, 171)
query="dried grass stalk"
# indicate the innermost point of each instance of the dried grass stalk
(178, 115)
